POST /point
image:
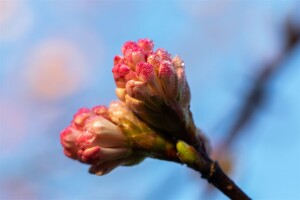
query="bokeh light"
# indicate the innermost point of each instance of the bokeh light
(56, 68)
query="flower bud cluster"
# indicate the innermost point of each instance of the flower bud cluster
(154, 86)
(93, 138)
(152, 116)
(142, 73)
(106, 138)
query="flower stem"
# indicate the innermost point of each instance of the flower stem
(221, 181)
(212, 172)
(152, 145)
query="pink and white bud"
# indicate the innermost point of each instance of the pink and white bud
(92, 138)
(109, 137)
(68, 139)
(138, 90)
(121, 114)
(134, 57)
(155, 83)
(131, 76)
(101, 111)
(163, 76)
(145, 72)
(154, 60)
(97, 154)
(129, 45)
(146, 44)
(118, 60)
(168, 80)
(117, 110)
(184, 89)
(177, 62)
(120, 71)
(105, 133)
(80, 117)
(163, 55)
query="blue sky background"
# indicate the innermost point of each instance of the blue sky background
(56, 56)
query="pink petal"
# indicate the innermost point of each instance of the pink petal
(146, 44)
(145, 71)
(129, 45)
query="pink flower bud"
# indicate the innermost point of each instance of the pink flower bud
(120, 71)
(156, 89)
(90, 155)
(138, 90)
(130, 45)
(168, 80)
(121, 114)
(184, 90)
(105, 133)
(164, 77)
(118, 110)
(101, 111)
(131, 76)
(145, 71)
(177, 62)
(68, 139)
(114, 136)
(154, 60)
(146, 44)
(118, 60)
(163, 55)
(80, 117)
(98, 154)
(134, 57)
(93, 138)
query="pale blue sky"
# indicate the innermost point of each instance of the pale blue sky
(223, 44)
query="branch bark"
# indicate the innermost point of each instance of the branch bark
(213, 173)
(209, 170)
(221, 181)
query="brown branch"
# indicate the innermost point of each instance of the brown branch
(209, 170)
(221, 181)
(212, 172)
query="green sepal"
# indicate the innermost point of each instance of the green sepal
(186, 153)
(134, 160)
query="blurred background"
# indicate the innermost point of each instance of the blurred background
(243, 65)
